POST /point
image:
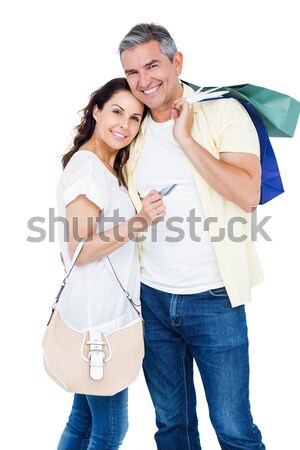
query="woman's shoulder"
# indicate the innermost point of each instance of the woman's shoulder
(85, 167)
(78, 166)
(85, 157)
(84, 176)
(85, 162)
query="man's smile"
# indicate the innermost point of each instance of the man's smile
(150, 91)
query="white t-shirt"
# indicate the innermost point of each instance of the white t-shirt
(92, 297)
(186, 264)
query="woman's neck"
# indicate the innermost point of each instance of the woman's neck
(107, 156)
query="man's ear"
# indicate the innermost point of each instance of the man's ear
(96, 112)
(178, 62)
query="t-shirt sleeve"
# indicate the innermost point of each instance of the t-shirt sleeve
(83, 177)
(237, 132)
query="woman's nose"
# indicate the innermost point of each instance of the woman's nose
(124, 123)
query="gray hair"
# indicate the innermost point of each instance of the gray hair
(143, 33)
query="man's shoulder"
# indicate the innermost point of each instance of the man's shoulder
(216, 105)
(213, 110)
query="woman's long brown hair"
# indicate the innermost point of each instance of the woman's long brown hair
(85, 130)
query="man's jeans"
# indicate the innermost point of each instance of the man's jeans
(96, 423)
(204, 327)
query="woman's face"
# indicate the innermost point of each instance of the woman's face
(119, 121)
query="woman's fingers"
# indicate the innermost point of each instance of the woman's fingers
(153, 207)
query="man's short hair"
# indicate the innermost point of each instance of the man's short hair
(143, 33)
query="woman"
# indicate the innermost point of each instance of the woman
(92, 184)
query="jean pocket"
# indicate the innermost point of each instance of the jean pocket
(218, 292)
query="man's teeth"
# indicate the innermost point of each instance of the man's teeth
(151, 90)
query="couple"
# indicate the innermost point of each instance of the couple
(193, 291)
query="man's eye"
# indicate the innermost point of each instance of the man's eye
(152, 66)
(131, 73)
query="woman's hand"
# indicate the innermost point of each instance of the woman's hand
(106, 242)
(183, 115)
(153, 208)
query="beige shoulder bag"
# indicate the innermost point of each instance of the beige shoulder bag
(91, 362)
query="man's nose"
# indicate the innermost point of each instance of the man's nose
(144, 80)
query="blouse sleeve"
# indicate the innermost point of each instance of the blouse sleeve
(83, 176)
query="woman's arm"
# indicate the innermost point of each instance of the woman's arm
(82, 218)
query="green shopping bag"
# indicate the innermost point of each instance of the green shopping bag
(271, 184)
(278, 111)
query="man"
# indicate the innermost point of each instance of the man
(194, 287)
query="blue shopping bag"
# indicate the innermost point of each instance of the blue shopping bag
(271, 183)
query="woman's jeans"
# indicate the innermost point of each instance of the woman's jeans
(205, 328)
(96, 423)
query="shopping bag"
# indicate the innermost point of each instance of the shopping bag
(278, 111)
(271, 183)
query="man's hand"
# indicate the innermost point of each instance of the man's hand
(182, 113)
(236, 175)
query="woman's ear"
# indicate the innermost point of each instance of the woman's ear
(96, 112)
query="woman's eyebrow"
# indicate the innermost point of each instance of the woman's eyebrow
(135, 114)
(115, 104)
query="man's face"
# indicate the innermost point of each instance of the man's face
(152, 77)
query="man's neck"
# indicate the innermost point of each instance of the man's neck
(164, 113)
(161, 115)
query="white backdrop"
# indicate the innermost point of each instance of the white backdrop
(54, 54)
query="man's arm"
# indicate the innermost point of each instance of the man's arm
(236, 176)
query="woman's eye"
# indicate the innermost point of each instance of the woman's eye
(135, 118)
(116, 111)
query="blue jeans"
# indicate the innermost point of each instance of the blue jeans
(96, 423)
(205, 328)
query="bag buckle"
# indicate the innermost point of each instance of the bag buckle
(96, 356)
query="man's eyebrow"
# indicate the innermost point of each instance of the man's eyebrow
(129, 70)
(135, 114)
(153, 61)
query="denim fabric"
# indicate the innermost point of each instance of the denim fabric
(205, 328)
(96, 423)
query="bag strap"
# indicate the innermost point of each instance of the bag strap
(73, 262)
(62, 286)
(129, 298)
(75, 256)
